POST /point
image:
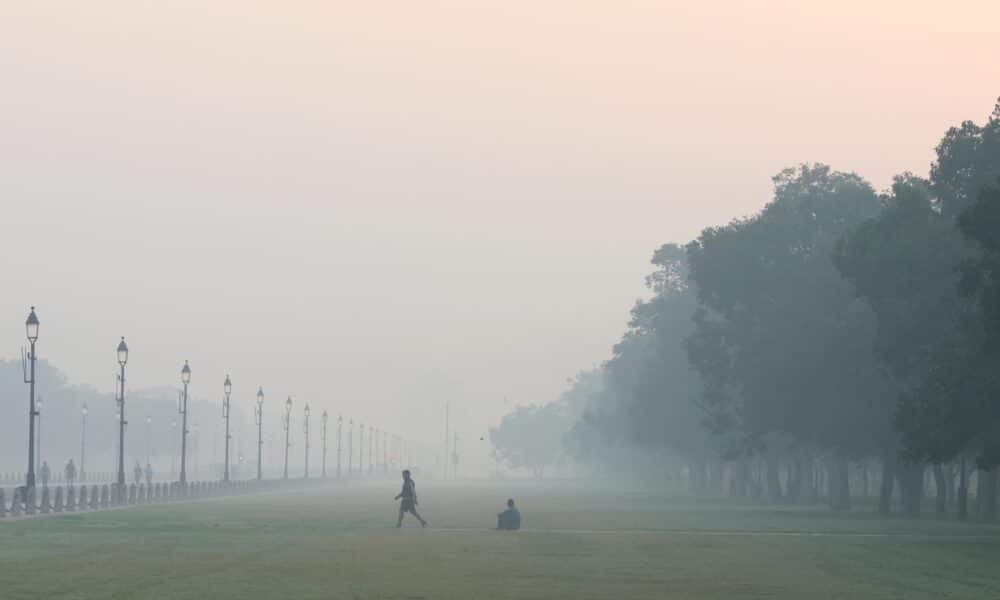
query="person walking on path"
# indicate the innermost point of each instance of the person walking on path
(70, 472)
(45, 473)
(137, 471)
(409, 500)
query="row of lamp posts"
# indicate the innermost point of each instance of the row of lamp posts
(35, 406)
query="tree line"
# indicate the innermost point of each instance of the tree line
(836, 339)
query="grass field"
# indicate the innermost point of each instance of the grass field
(577, 543)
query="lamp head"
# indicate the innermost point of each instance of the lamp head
(31, 326)
(122, 352)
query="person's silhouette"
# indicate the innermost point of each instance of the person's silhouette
(510, 518)
(409, 503)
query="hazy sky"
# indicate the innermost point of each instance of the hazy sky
(374, 205)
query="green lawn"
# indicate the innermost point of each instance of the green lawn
(578, 543)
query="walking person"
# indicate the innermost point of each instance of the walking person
(149, 474)
(409, 500)
(45, 473)
(137, 471)
(70, 472)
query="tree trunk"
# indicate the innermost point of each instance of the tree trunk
(793, 491)
(941, 486)
(864, 479)
(716, 467)
(949, 478)
(808, 482)
(888, 482)
(740, 479)
(773, 479)
(756, 483)
(962, 497)
(840, 484)
(696, 471)
(911, 488)
(986, 495)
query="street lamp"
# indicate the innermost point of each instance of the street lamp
(173, 446)
(371, 449)
(307, 411)
(361, 449)
(196, 449)
(287, 422)
(182, 409)
(227, 389)
(38, 436)
(259, 417)
(122, 359)
(83, 442)
(340, 432)
(31, 329)
(325, 418)
(350, 447)
(118, 417)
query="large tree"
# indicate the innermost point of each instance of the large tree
(782, 344)
(649, 394)
(903, 263)
(530, 437)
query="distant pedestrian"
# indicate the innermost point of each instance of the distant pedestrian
(509, 519)
(409, 500)
(45, 473)
(70, 472)
(149, 474)
(137, 471)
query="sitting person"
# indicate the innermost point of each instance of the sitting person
(509, 519)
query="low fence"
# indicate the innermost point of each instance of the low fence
(12, 478)
(57, 499)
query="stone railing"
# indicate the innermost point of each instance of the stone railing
(22, 501)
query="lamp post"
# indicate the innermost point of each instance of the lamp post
(307, 411)
(183, 410)
(122, 359)
(361, 449)
(286, 423)
(31, 329)
(325, 419)
(371, 450)
(350, 447)
(196, 449)
(114, 484)
(259, 417)
(227, 389)
(173, 448)
(340, 432)
(38, 436)
(83, 442)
